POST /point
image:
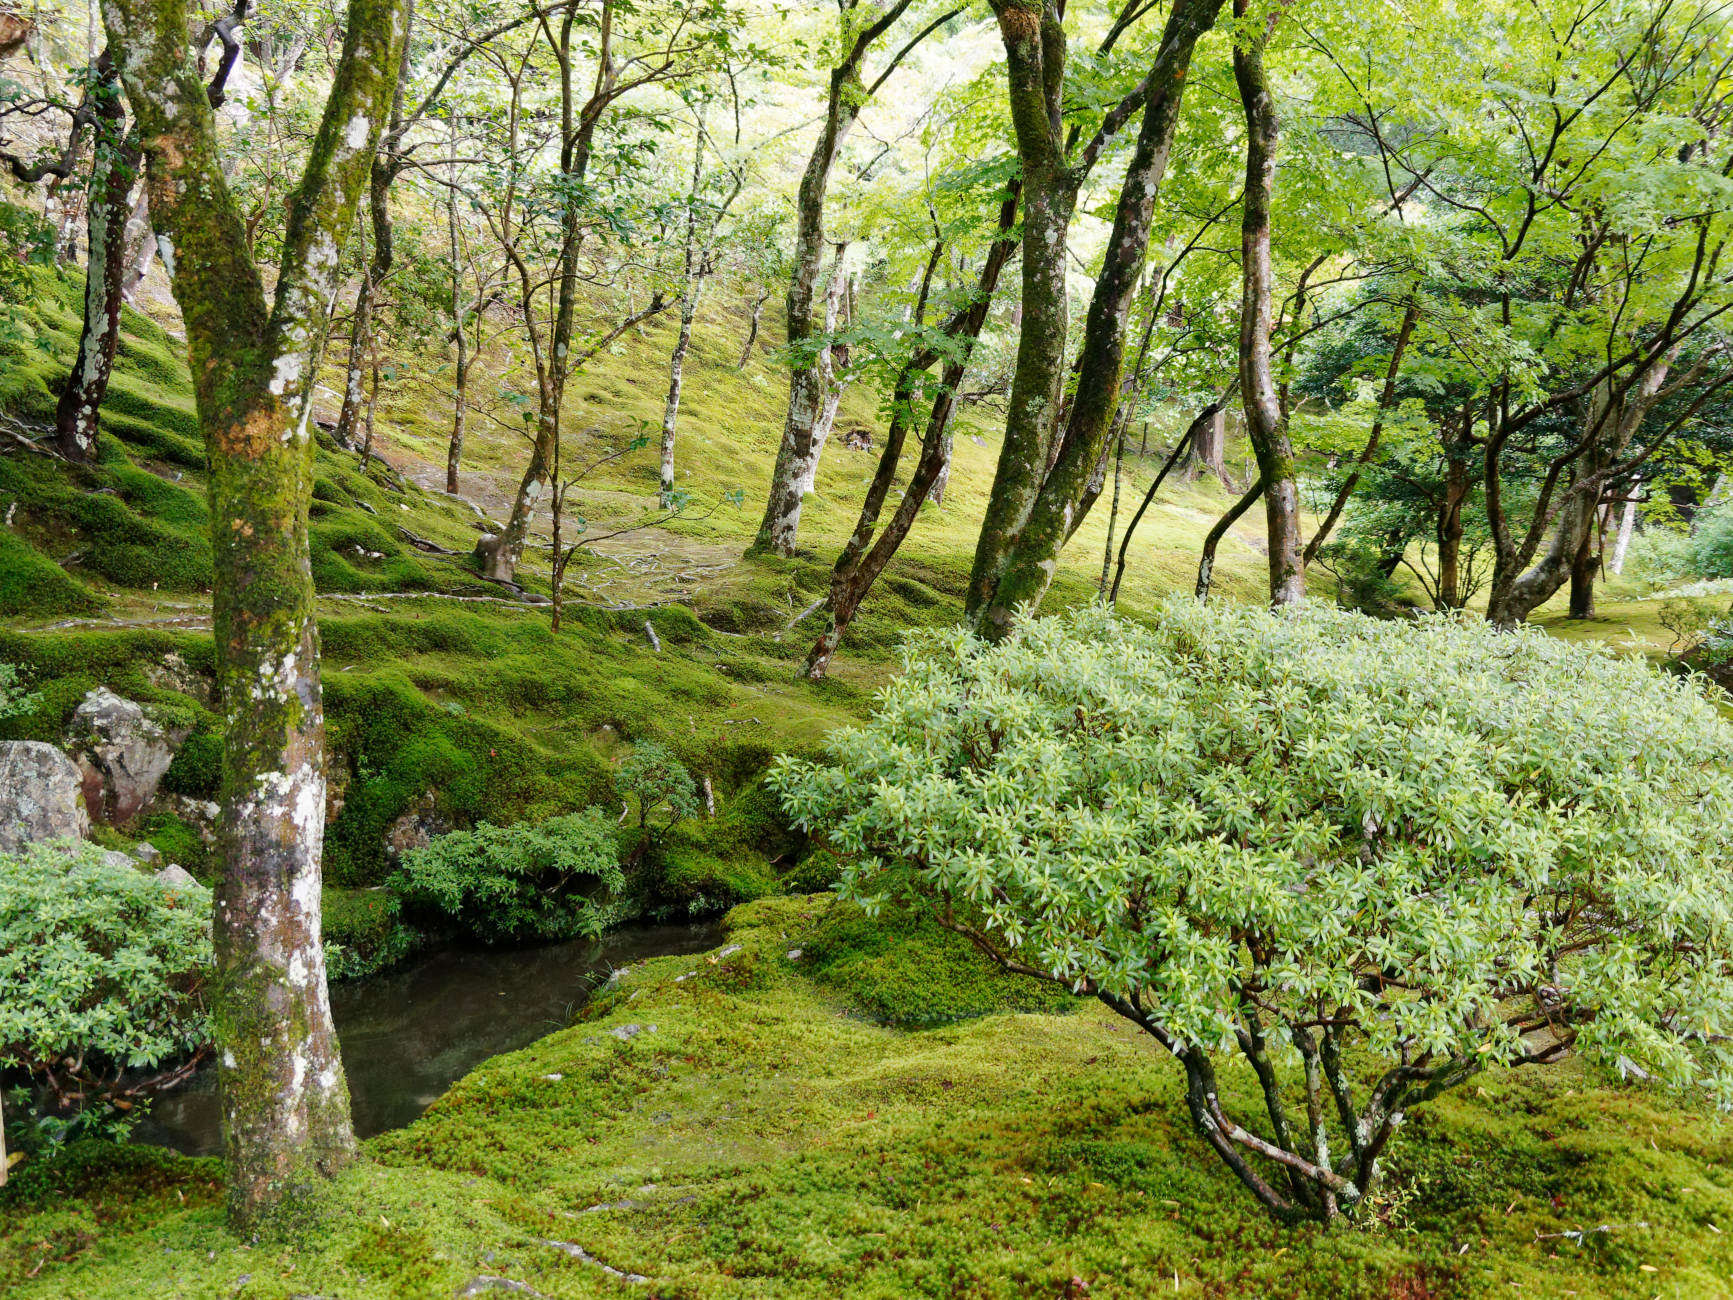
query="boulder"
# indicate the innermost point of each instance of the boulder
(416, 828)
(41, 795)
(122, 752)
(176, 877)
(147, 853)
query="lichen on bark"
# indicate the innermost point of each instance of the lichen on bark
(284, 1104)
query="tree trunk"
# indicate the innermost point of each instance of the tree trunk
(1030, 515)
(114, 167)
(1613, 420)
(354, 370)
(285, 1108)
(812, 404)
(1210, 450)
(460, 379)
(676, 368)
(140, 246)
(752, 330)
(1622, 541)
(1584, 565)
(779, 530)
(1262, 402)
(858, 567)
(691, 286)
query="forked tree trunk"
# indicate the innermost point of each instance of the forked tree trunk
(1262, 403)
(114, 167)
(1613, 422)
(1021, 537)
(285, 1107)
(863, 558)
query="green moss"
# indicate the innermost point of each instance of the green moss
(33, 585)
(364, 932)
(909, 972)
(179, 842)
(759, 1143)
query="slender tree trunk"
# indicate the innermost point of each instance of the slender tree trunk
(285, 1107)
(460, 379)
(1622, 540)
(355, 368)
(752, 330)
(779, 530)
(676, 369)
(691, 286)
(1386, 398)
(1262, 403)
(114, 167)
(1202, 420)
(812, 404)
(1112, 513)
(140, 246)
(1206, 565)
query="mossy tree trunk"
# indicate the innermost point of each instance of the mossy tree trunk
(1261, 400)
(285, 1106)
(1040, 484)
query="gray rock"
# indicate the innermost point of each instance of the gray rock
(41, 795)
(147, 853)
(122, 752)
(415, 828)
(176, 877)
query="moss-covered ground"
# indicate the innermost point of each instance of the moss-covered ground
(881, 1119)
(880, 1116)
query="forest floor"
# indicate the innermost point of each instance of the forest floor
(879, 1116)
(827, 1106)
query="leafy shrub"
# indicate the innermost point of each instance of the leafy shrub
(364, 932)
(105, 973)
(13, 698)
(1712, 543)
(516, 884)
(1309, 834)
(658, 781)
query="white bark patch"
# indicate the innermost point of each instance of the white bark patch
(355, 134)
(285, 373)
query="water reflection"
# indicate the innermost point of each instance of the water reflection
(408, 1034)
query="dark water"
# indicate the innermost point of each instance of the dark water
(408, 1034)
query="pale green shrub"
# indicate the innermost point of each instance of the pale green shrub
(1372, 857)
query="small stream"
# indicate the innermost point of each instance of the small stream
(409, 1033)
